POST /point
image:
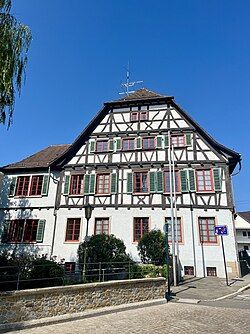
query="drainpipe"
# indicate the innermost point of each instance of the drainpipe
(55, 219)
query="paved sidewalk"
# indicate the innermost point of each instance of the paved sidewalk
(208, 288)
(171, 318)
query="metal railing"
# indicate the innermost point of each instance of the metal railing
(20, 277)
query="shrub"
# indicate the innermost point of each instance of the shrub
(45, 273)
(152, 247)
(106, 255)
(27, 271)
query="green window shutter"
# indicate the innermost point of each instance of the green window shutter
(86, 184)
(113, 188)
(191, 180)
(66, 185)
(139, 143)
(40, 230)
(217, 179)
(118, 144)
(184, 185)
(188, 139)
(166, 141)
(13, 186)
(45, 186)
(129, 183)
(159, 176)
(92, 184)
(152, 182)
(111, 145)
(92, 146)
(159, 142)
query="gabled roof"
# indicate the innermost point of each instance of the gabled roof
(138, 98)
(39, 160)
(245, 215)
(140, 94)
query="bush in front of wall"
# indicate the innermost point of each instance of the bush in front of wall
(152, 248)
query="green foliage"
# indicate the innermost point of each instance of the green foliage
(103, 248)
(148, 271)
(152, 247)
(15, 40)
(45, 273)
(27, 271)
(106, 258)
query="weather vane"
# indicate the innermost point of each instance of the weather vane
(129, 83)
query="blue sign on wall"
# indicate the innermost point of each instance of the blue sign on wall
(221, 230)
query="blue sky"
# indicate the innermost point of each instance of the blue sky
(196, 50)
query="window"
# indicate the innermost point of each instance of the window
(134, 117)
(248, 233)
(206, 228)
(21, 230)
(76, 185)
(244, 233)
(70, 267)
(189, 270)
(148, 143)
(102, 146)
(167, 182)
(139, 115)
(73, 229)
(103, 184)
(204, 180)
(179, 229)
(211, 271)
(128, 144)
(22, 186)
(246, 248)
(178, 141)
(140, 182)
(101, 226)
(143, 115)
(141, 227)
(36, 185)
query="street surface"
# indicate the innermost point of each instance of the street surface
(241, 301)
(167, 318)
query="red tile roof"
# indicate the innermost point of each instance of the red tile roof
(41, 159)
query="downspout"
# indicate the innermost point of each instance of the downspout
(233, 220)
(55, 217)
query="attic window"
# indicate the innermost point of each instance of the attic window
(139, 115)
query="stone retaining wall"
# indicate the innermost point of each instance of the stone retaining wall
(32, 304)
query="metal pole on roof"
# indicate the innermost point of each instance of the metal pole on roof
(172, 208)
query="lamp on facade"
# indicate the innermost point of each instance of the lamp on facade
(88, 212)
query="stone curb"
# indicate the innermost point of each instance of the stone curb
(229, 295)
(79, 316)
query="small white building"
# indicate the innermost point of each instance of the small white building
(119, 164)
(242, 226)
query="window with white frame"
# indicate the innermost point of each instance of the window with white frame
(101, 226)
(206, 228)
(179, 229)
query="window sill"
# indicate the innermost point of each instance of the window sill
(21, 243)
(205, 191)
(141, 194)
(102, 195)
(27, 196)
(71, 242)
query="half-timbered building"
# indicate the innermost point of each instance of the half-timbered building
(119, 164)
